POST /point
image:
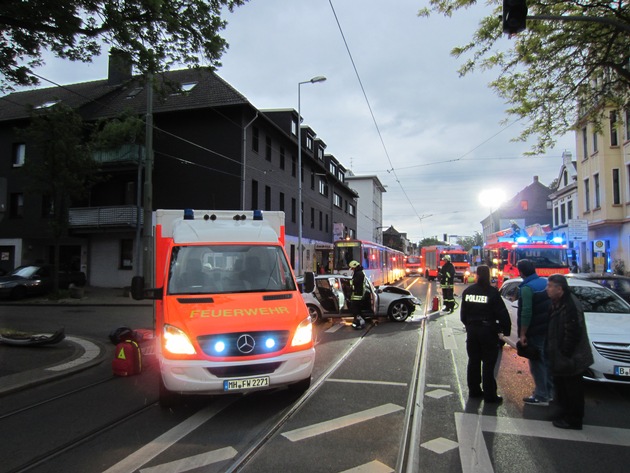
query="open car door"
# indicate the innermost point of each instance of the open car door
(327, 295)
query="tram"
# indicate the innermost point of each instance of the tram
(383, 265)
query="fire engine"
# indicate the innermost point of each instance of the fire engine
(413, 265)
(228, 313)
(432, 259)
(536, 243)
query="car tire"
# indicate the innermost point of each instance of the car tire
(18, 292)
(315, 313)
(301, 386)
(399, 311)
(168, 398)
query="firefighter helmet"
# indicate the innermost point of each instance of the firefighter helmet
(446, 257)
(354, 264)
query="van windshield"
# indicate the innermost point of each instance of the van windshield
(217, 269)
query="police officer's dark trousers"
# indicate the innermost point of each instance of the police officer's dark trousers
(481, 346)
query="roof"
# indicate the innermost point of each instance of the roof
(98, 99)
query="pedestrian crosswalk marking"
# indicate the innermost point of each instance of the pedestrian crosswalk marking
(340, 422)
(193, 462)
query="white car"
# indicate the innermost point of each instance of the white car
(332, 292)
(607, 321)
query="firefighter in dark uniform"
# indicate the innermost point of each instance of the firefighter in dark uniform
(484, 315)
(447, 283)
(358, 290)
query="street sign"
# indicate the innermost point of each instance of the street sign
(578, 229)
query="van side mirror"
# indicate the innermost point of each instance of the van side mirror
(309, 281)
(137, 288)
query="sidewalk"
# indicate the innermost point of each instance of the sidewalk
(23, 366)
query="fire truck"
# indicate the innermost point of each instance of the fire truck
(535, 242)
(229, 317)
(432, 259)
(413, 265)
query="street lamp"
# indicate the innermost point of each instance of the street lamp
(299, 140)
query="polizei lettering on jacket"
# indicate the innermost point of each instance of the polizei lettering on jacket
(479, 299)
(210, 313)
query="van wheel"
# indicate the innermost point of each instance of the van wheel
(300, 386)
(168, 398)
(315, 313)
(399, 311)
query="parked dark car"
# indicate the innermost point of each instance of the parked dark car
(619, 284)
(36, 280)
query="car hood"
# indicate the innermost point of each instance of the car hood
(608, 327)
(11, 278)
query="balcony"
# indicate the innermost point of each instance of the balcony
(115, 217)
(123, 154)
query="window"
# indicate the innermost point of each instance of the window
(524, 205)
(267, 198)
(312, 217)
(556, 220)
(597, 202)
(613, 128)
(616, 187)
(294, 127)
(281, 201)
(126, 254)
(17, 205)
(595, 142)
(48, 104)
(135, 91)
(255, 139)
(584, 143)
(337, 200)
(309, 142)
(351, 209)
(293, 166)
(587, 196)
(281, 158)
(312, 179)
(48, 207)
(323, 188)
(563, 214)
(19, 154)
(320, 154)
(254, 194)
(293, 210)
(326, 223)
(628, 124)
(570, 210)
(321, 220)
(268, 148)
(565, 178)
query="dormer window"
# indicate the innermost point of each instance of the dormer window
(188, 86)
(135, 91)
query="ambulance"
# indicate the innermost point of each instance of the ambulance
(228, 314)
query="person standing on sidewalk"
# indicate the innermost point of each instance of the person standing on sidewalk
(447, 283)
(485, 316)
(569, 352)
(358, 290)
(533, 320)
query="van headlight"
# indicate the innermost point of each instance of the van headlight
(177, 342)
(303, 334)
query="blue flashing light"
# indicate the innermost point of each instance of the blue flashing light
(270, 343)
(258, 215)
(521, 239)
(189, 214)
(557, 240)
(219, 347)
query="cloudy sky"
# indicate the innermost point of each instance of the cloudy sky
(434, 139)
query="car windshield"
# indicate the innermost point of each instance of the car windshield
(25, 271)
(600, 299)
(215, 269)
(544, 257)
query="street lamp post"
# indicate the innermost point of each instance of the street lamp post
(299, 140)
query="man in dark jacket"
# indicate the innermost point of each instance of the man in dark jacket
(358, 290)
(485, 316)
(447, 283)
(569, 352)
(533, 319)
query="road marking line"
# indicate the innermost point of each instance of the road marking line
(372, 467)
(448, 339)
(334, 328)
(340, 422)
(195, 461)
(91, 351)
(151, 450)
(445, 386)
(474, 453)
(365, 381)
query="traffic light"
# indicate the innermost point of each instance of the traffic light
(514, 16)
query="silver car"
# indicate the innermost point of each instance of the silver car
(607, 321)
(332, 292)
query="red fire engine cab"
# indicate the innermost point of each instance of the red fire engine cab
(536, 243)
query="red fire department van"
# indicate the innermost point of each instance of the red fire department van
(228, 313)
(536, 243)
(432, 259)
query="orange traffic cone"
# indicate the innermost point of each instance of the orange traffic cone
(436, 304)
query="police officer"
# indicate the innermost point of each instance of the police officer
(447, 282)
(358, 289)
(485, 316)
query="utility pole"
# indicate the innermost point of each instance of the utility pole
(147, 226)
